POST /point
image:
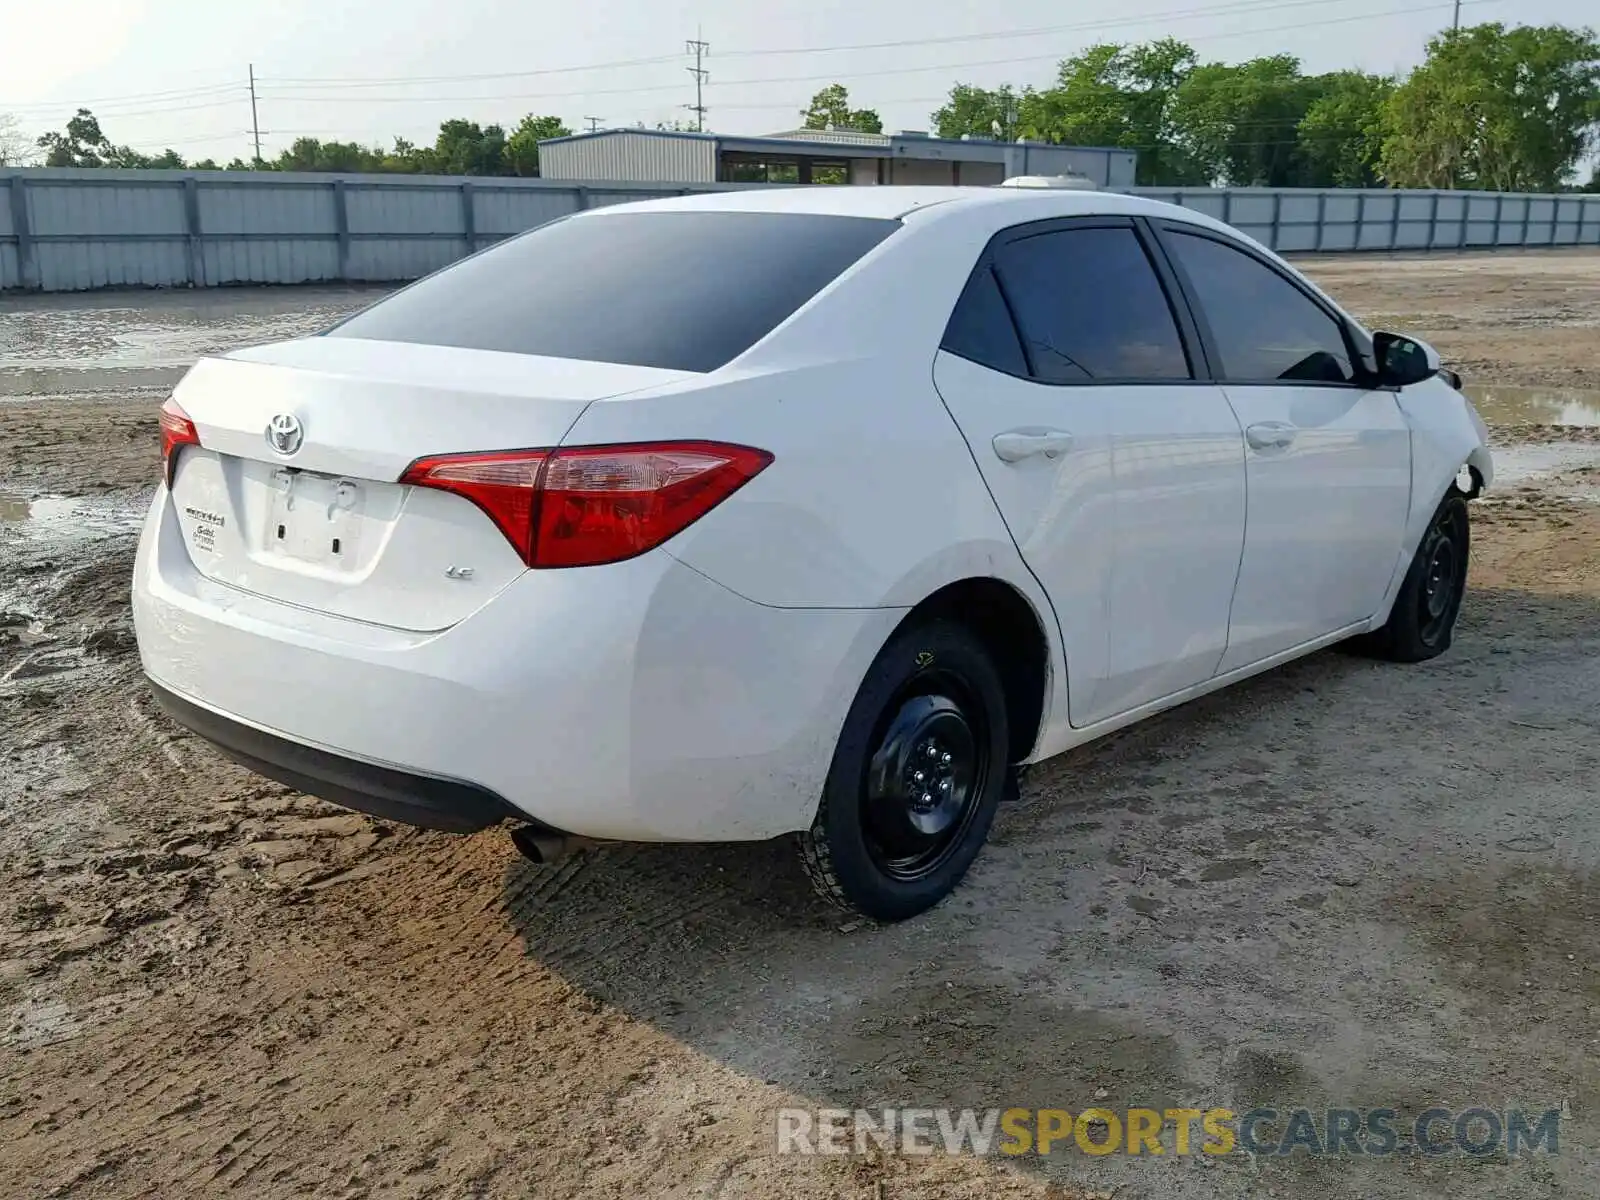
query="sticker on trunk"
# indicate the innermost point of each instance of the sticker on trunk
(203, 527)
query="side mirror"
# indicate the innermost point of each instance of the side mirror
(1403, 360)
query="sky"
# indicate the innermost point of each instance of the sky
(162, 73)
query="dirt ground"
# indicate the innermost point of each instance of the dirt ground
(1343, 883)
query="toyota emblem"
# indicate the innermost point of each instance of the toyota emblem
(285, 433)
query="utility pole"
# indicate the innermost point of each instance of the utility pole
(255, 125)
(594, 123)
(699, 49)
(1455, 22)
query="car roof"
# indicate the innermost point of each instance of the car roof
(896, 201)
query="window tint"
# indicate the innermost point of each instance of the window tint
(1090, 307)
(683, 290)
(1265, 328)
(981, 330)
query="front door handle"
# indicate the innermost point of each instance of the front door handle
(1017, 444)
(1270, 435)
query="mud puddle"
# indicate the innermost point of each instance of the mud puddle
(1500, 405)
(65, 519)
(93, 345)
(26, 383)
(1556, 470)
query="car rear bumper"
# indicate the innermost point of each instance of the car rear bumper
(396, 795)
(638, 701)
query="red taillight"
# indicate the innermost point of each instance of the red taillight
(176, 430)
(505, 485)
(587, 505)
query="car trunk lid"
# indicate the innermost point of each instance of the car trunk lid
(293, 494)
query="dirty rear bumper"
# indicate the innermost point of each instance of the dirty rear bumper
(386, 792)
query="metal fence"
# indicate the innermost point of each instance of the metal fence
(1300, 220)
(73, 230)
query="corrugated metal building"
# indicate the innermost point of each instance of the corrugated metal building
(821, 156)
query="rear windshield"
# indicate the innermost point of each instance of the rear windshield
(687, 291)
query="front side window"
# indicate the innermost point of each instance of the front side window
(1266, 330)
(688, 291)
(1090, 307)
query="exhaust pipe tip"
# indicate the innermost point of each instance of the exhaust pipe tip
(541, 847)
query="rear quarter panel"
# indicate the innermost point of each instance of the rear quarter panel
(869, 489)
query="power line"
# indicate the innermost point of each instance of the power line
(1229, 8)
(118, 101)
(242, 94)
(345, 81)
(1053, 56)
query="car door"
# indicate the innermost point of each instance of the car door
(1117, 467)
(1327, 456)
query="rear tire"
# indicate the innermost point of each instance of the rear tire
(916, 777)
(1422, 622)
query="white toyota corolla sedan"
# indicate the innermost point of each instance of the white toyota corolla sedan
(813, 511)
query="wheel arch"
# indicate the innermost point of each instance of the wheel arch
(1481, 463)
(1016, 634)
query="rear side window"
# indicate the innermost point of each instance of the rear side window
(687, 291)
(1090, 307)
(981, 330)
(1266, 329)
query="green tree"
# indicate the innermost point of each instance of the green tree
(466, 148)
(81, 145)
(1341, 136)
(1152, 74)
(313, 154)
(979, 112)
(84, 144)
(522, 147)
(1239, 123)
(1108, 95)
(1507, 110)
(1086, 107)
(831, 106)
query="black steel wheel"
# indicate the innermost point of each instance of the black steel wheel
(1422, 623)
(916, 777)
(924, 778)
(1444, 579)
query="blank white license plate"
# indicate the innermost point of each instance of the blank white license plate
(316, 518)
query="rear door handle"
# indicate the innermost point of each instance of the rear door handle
(1270, 435)
(1017, 444)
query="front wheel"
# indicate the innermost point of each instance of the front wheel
(1423, 619)
(917, 775)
